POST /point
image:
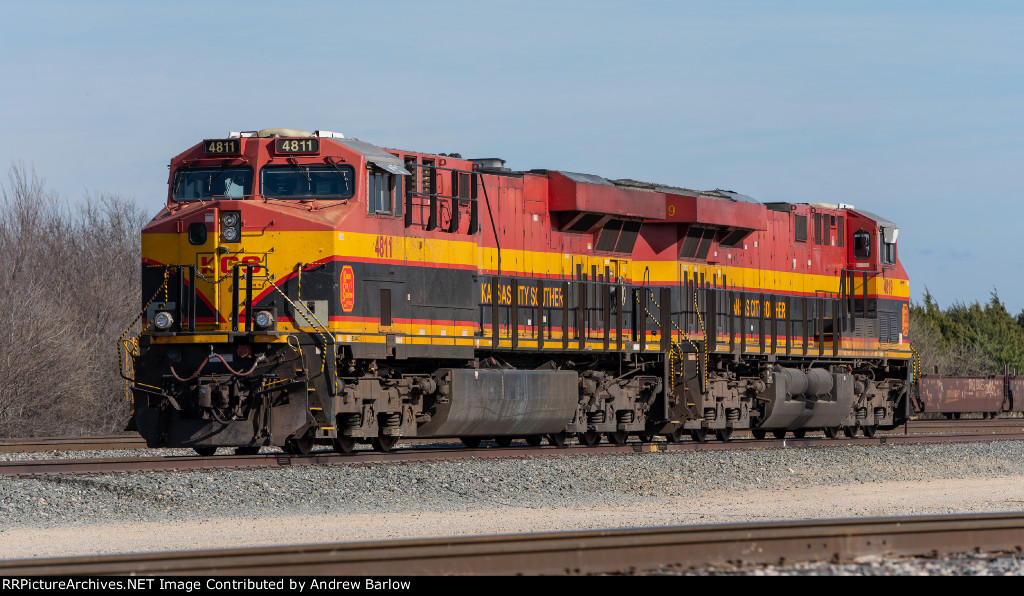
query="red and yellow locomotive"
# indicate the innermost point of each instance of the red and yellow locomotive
(305, 287)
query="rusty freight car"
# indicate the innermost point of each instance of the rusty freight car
(954, 397)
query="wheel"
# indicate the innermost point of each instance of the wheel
(589, 438)
(759, 433)
(250, 450)
(534, 440)
(779, 434)
(384, 443)
(344, 444)
(699, 434)
(799, 433)
(674, 436)
(300, 445)
(724, 434)
(558, 439)
(850, 431)
(869, 431)
(503, 441)
(471, 442)
(645, 437)
(205, 451)
(618, 437)
(831, 431)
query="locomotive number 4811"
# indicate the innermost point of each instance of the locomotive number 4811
(224, 146)
(384, 247)
(297, 146)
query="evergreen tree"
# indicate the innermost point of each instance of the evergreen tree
(967, 339)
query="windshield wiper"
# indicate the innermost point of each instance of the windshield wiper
(342, 173)
(177, 182)
(215, 173)
(309, 181)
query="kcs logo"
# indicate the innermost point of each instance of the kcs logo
(209, 263)
(348, 289)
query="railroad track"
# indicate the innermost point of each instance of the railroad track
(99, 443)
(635, 551)
(930, 433)
(114, 442)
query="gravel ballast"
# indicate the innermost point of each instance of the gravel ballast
(67, 515)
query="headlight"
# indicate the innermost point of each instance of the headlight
(264, 319)
(163, 320)
(230, 226)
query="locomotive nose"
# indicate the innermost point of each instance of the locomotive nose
(218, 266)
(229, 257)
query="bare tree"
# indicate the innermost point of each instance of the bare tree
(69, 279)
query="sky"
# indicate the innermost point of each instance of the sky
(913, 110)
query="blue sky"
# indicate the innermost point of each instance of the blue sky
(912, 110)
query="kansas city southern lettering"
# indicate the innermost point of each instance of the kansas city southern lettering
(527, 295)
(753, 308)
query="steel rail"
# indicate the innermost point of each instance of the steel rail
(574, 553)
(104, 443)
(42, 467)
(1006, 425)
(112, 442)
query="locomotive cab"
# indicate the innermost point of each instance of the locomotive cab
(224, 346)
(269, 279)
(876, 289)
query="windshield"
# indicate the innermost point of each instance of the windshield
(307, 182)
(206, 183)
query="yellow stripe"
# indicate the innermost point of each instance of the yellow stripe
(183, 339)
(284, 250)
(290, 248)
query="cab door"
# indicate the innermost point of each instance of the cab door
(206, 258)
(862, 266)
(618, 302)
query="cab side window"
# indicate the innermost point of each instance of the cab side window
(861, 245)
(888, 249)
(382, 193)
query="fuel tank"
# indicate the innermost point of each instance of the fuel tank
(504, 402)
(811, 398)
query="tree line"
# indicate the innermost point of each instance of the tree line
(69, 279)
(967, 339)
